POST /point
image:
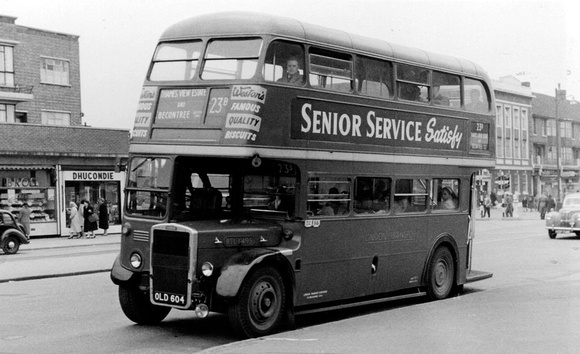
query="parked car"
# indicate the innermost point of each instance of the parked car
(12, 234)
(567, 219)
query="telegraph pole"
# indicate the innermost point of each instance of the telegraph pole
(559, 95)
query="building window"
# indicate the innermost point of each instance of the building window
(54, 71)
(6, 66)
(6, 113)
(566, 129)
(551, 127)
(55, 118)
(499, 147)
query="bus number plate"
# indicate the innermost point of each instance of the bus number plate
(170, 299)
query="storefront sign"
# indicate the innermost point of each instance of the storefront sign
(92, 176)
(19, 182)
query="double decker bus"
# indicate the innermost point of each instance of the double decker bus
(280, 168)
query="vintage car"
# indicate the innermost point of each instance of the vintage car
(567, 219)
(12, 234)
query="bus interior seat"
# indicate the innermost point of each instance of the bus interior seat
(205, 203)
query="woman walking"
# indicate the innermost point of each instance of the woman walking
(75, 221)
(90, 219)
(103, 216)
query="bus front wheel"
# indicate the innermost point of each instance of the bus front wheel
(137, 307)
(260, 306)
(441, 274)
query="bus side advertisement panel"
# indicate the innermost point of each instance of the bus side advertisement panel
(335, 122)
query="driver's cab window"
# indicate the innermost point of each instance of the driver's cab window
(201, 195)
(284, 63)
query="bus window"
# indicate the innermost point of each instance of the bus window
(475, 99)
(231, 59)
(175, 61)
(410, 195)
(149, 173)
(445, 194)
(412, 83)
(446, 90)
(332, 71)
(328, 196)
(279, 57)
(275, 193)
(374, 77)
(372, 195)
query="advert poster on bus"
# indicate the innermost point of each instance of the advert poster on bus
(330, 121)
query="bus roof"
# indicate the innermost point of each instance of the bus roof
(247, 23)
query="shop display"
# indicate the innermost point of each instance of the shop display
(40, 201)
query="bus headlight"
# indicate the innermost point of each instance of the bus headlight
(207, 269)
(136, 260)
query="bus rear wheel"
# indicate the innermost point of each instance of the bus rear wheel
(259, 309)
(137, 307)
(441, 274)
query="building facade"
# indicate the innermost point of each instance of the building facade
(555, 142)
(513, 171)
(48, 158)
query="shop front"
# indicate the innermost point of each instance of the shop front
(91, 186)
(34, 186)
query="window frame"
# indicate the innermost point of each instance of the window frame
(55, 77)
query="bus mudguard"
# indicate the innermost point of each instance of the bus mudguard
(235, 269)
(119, 274)
(441, 239)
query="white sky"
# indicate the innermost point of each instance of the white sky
(536, 41)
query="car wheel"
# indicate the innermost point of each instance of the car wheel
(11, 244)
(552, 233)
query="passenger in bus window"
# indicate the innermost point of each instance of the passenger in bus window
(381, 204)
(448, 199)
(438, 98)
(402, 204)
(292, 75)
(280, 202)
(410, 92)
(475, 103)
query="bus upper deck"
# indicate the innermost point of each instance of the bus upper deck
(222, 85)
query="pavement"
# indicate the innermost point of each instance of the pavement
(51, 257)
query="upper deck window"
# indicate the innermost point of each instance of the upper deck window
(476, 99)
(446, 90)
(412, 83)
(175, 61)
(374, 77)
(284, 63)
(231, 59)
(332, 71)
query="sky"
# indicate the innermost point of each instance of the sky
(535, 41)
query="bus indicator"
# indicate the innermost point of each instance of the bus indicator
(180, 107)
(479, 139)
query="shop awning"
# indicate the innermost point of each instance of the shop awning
(27, 167)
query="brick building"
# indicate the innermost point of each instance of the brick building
(48, 158)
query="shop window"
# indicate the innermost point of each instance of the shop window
(33, 187)
(91, 191)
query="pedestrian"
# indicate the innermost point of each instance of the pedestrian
(550, 204)
(75, 221)
(82, 217)
(493, 197)
(487, 206)
(90, 219)
(542, 202)
(24, 218)
(509, 208)
(103, 216)
(525, 203)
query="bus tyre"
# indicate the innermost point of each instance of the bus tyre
(137, 307)
(441, 274)
(260, 306)
(552, 233)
